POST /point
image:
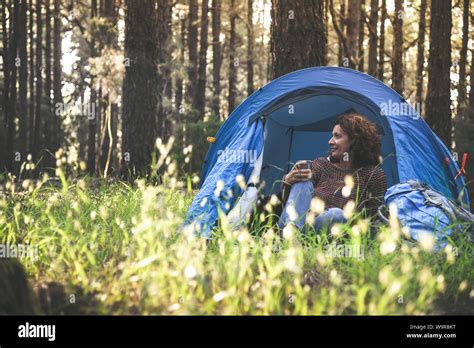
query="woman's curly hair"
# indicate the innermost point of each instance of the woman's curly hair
(365, 142)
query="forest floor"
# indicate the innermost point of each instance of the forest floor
(113, 248)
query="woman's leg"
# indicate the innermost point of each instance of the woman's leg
(300, 199)
(329, 217)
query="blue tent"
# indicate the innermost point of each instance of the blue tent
(291, 118)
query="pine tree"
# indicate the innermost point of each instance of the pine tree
(298, 35)
(250, 47)
(420, 60)
(140, 88)
(397, 72)
(200, 95)
(216, 56)
(373, 18)
(438, 101)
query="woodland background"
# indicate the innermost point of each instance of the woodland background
(95, 92)
(103, 79)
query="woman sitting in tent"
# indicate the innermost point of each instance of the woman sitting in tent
(354, 151)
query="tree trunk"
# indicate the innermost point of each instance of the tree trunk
(264, 54)
(140, 91)
(57, 93)
(92, 129)
(361, 53)
(298, 35)
(31, 80)
(233, 63)
(462, 100)
(107, 137)
(471, 91)
(164, 55)
(216, 56)
(352, 31)
(269, 58)
(23, 82)
(420, 60)
(112, 155)
(470, 119)
(6, 87)
(342, 23)
(48, 118)
(373, 19)
(382, 41)
(438, 102)
(82, 131)
(168, 91)
(38, 126)
(200, 95)
(179, 80)
(108, 9)
(326, 20)
(250, 46)
(12, 99)
(192, 51)
(47, 52)
(397, 72)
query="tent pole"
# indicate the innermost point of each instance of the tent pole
(289, 148)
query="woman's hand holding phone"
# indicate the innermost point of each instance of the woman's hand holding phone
(300, 172)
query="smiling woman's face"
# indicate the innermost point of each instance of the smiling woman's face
(339, 143)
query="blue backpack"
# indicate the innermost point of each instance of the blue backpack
(423, 209)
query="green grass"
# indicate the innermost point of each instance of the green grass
(117, 243)
(114, 249)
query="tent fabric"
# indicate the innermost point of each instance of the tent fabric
(301, 137)
(238, 215)
(415, 152)
(211, 197)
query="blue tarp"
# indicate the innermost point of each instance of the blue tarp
(419, 153)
